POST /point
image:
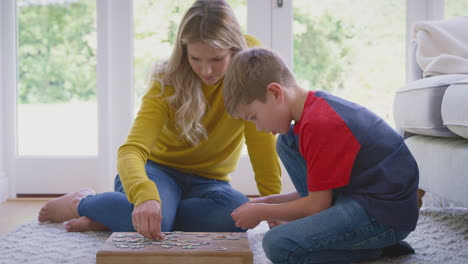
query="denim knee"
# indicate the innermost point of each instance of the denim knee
(215, 193)
(292, 159)
(118, 184)
(275, 246)
(285, 141)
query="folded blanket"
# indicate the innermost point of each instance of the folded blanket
(442, 46)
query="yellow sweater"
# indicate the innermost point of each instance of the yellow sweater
(154, 136)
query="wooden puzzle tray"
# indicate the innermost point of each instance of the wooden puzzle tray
(177, 247)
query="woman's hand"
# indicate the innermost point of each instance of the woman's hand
(146, 218)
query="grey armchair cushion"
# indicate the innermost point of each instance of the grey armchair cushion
(455, 108)
(417, 106)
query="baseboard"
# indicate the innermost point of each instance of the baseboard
(3, 187)
(39, 195)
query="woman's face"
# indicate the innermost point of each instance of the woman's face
(209, 63)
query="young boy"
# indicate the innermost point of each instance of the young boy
(355, 178)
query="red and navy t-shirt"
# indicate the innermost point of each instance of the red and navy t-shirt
(353, 151)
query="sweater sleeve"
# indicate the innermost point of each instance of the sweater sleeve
(252, 41)
(132, 156)
(262, 152)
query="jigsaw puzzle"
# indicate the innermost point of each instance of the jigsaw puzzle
(177, 247)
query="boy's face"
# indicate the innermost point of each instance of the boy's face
(272, 116)
(209, 63)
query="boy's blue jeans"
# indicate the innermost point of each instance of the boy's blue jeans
(343, 233)
(189, 203)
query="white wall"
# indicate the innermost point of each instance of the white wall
(243, 178)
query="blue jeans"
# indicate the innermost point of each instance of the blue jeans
(343, 233)
(189, 203)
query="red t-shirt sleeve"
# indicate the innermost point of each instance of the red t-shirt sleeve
(328, 146)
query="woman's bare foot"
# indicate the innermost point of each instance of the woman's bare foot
(84, 224)
(63, 208)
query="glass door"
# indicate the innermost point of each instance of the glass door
(56, 98)
(67, 91)
(56, 104)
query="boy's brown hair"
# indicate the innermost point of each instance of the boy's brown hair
(249, 74)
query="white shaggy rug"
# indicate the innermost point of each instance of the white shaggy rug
(440, 237)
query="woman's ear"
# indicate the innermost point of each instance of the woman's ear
(276, 90)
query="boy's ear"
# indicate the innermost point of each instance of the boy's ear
(277, 91)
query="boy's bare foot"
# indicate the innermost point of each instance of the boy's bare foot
(63, 208)
(84, 224)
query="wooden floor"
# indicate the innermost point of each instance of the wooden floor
(16, 212)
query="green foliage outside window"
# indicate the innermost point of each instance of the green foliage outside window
(57, 46)
(455, 8)
(321, 53)
(56, 54)
(155, 28)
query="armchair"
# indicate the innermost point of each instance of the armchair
(431, 110)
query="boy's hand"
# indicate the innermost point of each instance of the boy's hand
(257, 200)
(248, 215)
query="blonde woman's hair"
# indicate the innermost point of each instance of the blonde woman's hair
(209, 21)
(249, 74)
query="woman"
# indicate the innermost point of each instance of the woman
(174, 165)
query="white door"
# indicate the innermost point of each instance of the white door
(67, 88)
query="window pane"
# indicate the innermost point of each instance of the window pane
(156, 23)
(57, 112)
(356, 51)
(455, 8)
